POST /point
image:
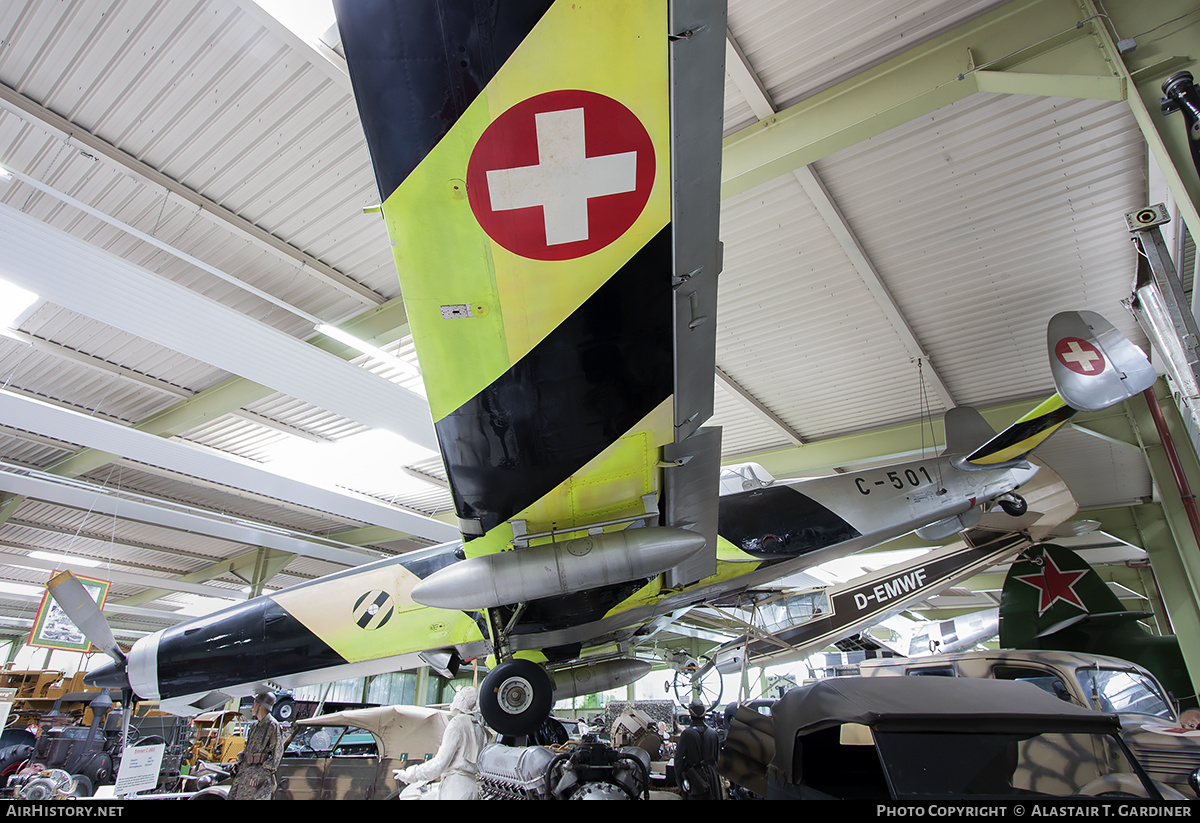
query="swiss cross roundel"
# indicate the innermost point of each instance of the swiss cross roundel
(1079, 356)
(561, 174)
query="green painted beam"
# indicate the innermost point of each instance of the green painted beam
(1167, 33)
(1057, 48)
(1050, 85)
(241, 565)
(895, 442)
(1172, 546)
(1038, 37)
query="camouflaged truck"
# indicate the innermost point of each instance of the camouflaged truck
(1149, 724)
(351, 755)
(900, 739)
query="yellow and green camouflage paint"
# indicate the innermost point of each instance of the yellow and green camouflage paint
(445, 258)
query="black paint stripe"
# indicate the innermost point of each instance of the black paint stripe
(416, 66)
(778, 522)
(255, 640)
(578, 391)
(1019, 432)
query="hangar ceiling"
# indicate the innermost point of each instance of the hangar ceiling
(187, 202)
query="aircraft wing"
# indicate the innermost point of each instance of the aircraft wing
(843, 610)
(550, 182)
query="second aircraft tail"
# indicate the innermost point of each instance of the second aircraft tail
(1094, 367)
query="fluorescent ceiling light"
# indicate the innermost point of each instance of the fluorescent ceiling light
(371, 462)
(367, 349)
(16, 304)
(65, 558)
(22, 588)
(5, 174)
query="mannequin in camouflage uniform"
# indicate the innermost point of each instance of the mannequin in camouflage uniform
(255, 778)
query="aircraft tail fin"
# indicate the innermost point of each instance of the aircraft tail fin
(1094, 367)
(966, 430)
(1054, 592)
(1054, 600)
(555, 226)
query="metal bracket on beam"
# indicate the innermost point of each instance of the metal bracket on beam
(1158, 302)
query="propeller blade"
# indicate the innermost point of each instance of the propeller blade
(73, 598)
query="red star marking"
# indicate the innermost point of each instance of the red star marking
(561, 175)
(1055, 585)
(1079, 356)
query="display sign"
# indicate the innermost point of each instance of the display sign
(139, 768)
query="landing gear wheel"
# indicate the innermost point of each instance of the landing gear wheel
(284, 711)
(706, 688)
(516, 696)
(1014, 505)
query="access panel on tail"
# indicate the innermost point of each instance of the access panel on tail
(1052, 599)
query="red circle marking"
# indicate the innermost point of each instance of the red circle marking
(1079, 356)
(591, 204)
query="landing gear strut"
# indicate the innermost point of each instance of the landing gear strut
(1014, 505)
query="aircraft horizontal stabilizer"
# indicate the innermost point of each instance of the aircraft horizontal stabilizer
(1101, 622)
(1094, 365)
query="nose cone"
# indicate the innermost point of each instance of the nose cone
(108, 676)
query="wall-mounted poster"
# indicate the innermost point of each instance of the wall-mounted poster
(53, 629)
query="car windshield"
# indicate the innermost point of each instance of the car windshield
(1123, 692)
(948, 764)
(313, 741)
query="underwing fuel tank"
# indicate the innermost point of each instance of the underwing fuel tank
(578, 681)
(557, 568)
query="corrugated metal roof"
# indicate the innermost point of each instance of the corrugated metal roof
(208, 127)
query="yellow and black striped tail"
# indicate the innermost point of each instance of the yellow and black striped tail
(1023, 436)
(1094, 367)
(550, 177)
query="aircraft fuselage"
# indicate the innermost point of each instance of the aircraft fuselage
(363, 621)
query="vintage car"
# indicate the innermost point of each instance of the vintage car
(351, 755)
(942, 739)
(1149, 724)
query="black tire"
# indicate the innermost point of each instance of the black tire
(13, 756)
(17, 737)
(1014, 507)
(516, 696)
(99, 769)
(550, 733)
(284, 711)
(83, 786)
